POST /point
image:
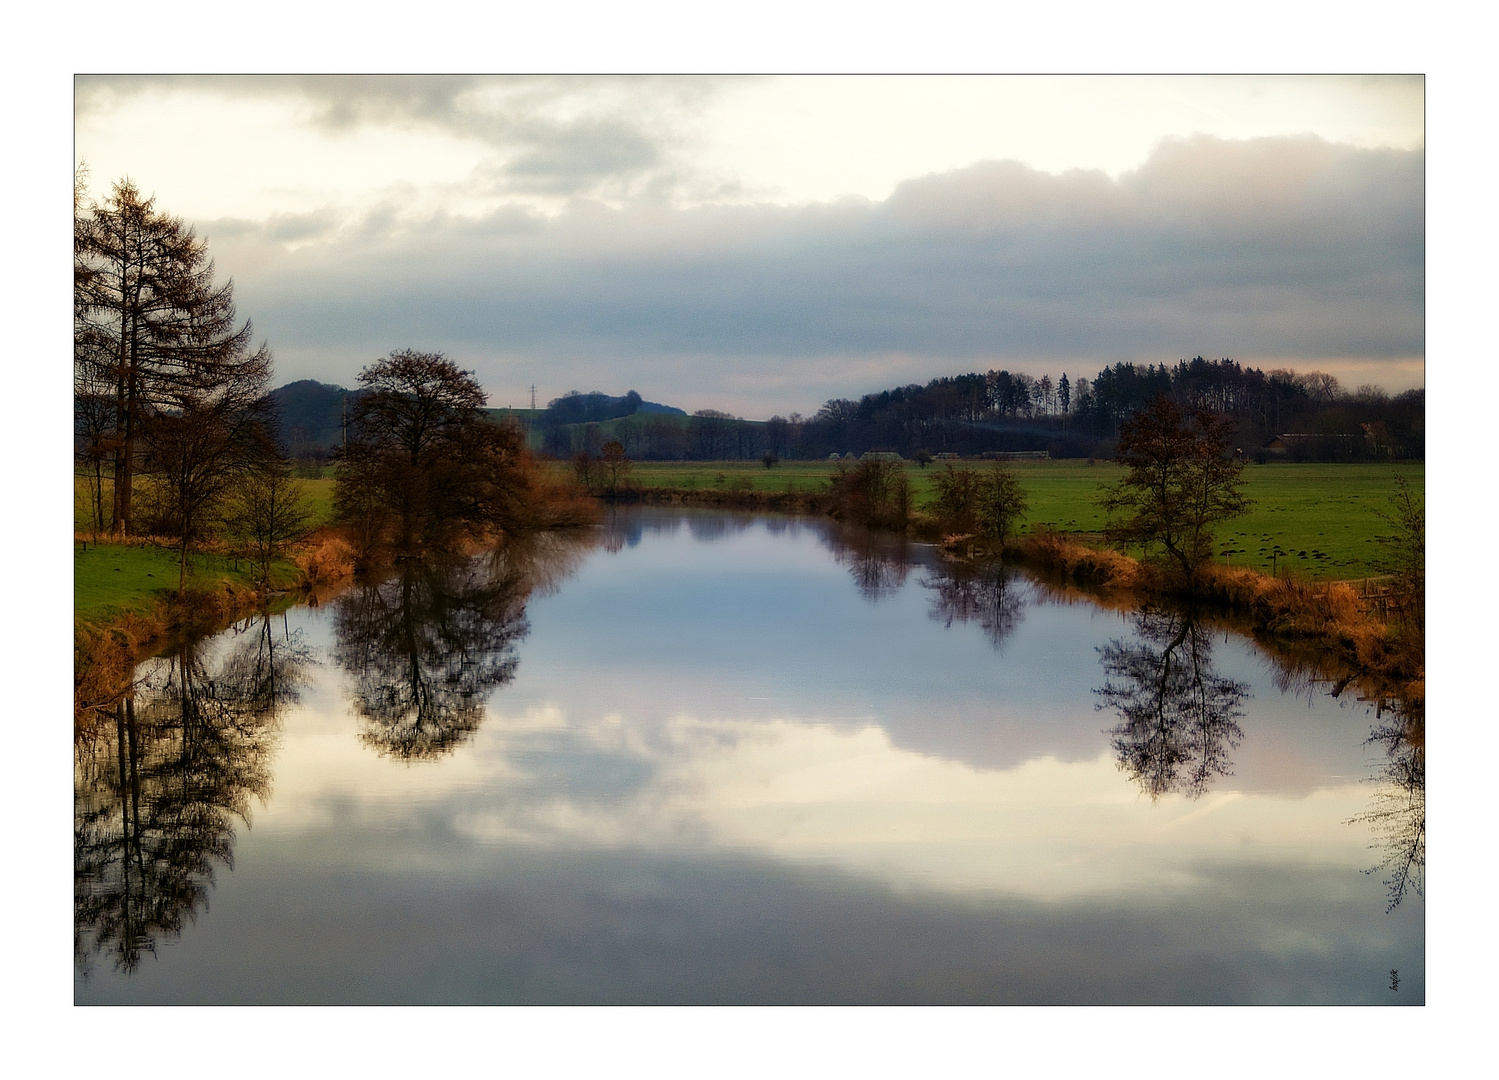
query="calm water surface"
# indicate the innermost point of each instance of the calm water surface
(699, 757)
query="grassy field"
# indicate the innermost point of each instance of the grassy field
(116, 578)
(1321, 517)
(110, 578)
(1318, 520)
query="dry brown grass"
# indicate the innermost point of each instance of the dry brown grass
(1077, 563)
(561, 503)
(1325, 624)
(325, 560)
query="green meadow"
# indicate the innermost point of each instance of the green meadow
(1319, 520)
(111, 579)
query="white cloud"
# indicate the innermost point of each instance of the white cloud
(762, 244)
(1275, 251)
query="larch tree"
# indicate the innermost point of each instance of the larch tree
(154, 334)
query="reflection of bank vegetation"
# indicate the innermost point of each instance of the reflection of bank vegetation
(990, 596)
(166, 773)
(161, 782)
(1397, 812)
(879, 562)
(1178, 718)
(425, 646)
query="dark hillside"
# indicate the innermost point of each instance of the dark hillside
(311, 416)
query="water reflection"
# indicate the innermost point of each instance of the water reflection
(878, 562)
(158, 792)
(425, 647)
(1397, 812)
(718, 752)
(990, 595)
(1178, 716)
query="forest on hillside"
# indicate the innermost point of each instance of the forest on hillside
(1277, 414)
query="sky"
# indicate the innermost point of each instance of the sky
(761, 244)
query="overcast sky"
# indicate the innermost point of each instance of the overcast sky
(762, 244)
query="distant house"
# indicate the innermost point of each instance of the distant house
(881, 455)
(947, 455)
(1280, 444)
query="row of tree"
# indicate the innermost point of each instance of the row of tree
(1007, 411)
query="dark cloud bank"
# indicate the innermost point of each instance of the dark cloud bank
(1271, 248)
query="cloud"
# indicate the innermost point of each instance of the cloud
(1286, 248)
(599, 137)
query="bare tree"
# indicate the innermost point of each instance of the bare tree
(270, 511)
(422, 465)
(151, 323)
(1002, 502)
(986, 504)
(1183, 480)
(614, 468)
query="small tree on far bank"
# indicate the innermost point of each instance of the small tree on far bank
(988, 504)
(872, 493)
(1003, 503)
(958, 499)
(1182, 481)
(614, 467)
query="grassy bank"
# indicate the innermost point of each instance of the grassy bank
(1330, 628)
(1316, 520)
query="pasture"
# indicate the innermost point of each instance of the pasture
(1319, 520)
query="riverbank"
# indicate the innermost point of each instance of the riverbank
(1318, 520)
(126, 606)
(1339, 628)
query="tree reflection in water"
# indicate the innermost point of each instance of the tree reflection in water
(879, 562)
(426, 646)
(159, 785)
(1178, 717)
(990, 595)
(1397, 814)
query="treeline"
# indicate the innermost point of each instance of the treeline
(1303, 417)
(1005, 411)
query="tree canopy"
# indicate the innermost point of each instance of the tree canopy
(423, 465)
(1183, 480)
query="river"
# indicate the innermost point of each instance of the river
(705, 757)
